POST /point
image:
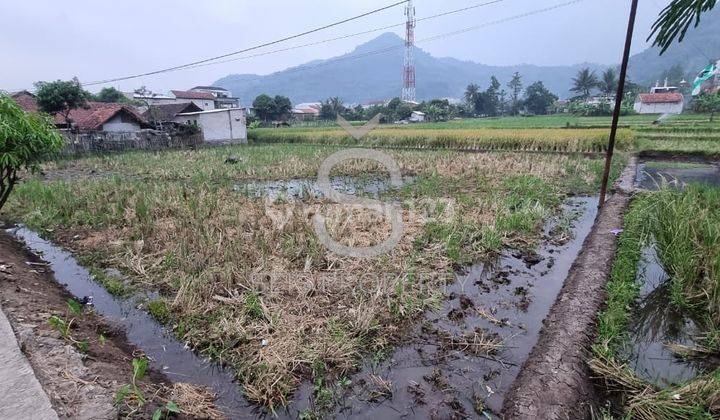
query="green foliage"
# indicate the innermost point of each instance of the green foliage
(160, 311)
(110, 94)
(268, 108)
(609, 83)
(61, 97)
(164, 412)
(515, 84)
(707, 103)
(538, 99)
(675, 20)
(74, 306)
(25, 140)
(62, 326)
(585, 82)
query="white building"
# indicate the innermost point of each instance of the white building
(204, 100)
(661, 100)
(417, 116)
(223, 98)
(218, 125)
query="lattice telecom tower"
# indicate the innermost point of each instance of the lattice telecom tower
(408, 92)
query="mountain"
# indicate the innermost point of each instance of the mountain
(373, 71)
(700, 46)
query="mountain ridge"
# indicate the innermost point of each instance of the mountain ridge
(380, 66)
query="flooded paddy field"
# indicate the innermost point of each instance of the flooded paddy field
(658, 354)
(225, 266)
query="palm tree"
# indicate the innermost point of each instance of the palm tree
(336, 104)
(585, 82)
(675, 19)
(609, 82)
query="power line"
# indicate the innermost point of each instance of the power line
(324, 41)
(428, 39)
(250, 48)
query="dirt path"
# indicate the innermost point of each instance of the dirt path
(80, 382)
(554, 382)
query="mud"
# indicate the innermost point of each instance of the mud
(80, 384)
(654, 325)
(652, 174)
(167, 355)
(554, 382)
(461, 360)
(304, 187)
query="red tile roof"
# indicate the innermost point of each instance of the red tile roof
(25, 100)
(98, 114)
(661, 98)
(190, 94)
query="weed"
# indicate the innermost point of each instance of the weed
(159, 310)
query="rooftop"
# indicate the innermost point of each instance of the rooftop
(661, 98)
(97, 114)
(192, 94)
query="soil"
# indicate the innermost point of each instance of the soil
(80, 384)
(554, 382)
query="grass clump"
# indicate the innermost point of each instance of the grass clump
(683, 225)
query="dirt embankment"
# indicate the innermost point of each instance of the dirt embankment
(80, 373)
(554, 382)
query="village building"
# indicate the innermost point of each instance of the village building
(25, 100)
(205, 100)
(417, 117)
(661, 100)
(167, 112)
(223, 97)
(306, 111)
(218, 125)
(102, 116)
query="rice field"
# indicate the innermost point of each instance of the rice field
(548, 140)
(245, 280)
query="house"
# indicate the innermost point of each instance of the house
(205, 100)
(417, 116)
(661, 100)
(26, 100)
(153, 98)
(102, 116)
(218, 125)
(223, 98)
(306, 111)
(168, 112)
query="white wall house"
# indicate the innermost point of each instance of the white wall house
(417, 116)
(659, 103)
(121, 122)
(204, 100)
(218, 125)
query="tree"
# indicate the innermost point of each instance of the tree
(584, 82)
(281, 108)
(515, 84)
(538, 99)
(709, 103)
(472, 96)
(61, 97)
(609, 83)
(675, 20)
(110, 94)
(264, 107)
(336, 104)
(25, 139)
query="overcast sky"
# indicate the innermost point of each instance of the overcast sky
(100, 39)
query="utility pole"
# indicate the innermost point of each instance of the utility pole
(408, 92)
(618, 102)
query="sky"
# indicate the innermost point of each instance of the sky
(101, 39)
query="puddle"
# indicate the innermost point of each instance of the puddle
(301, 188)
(508, 299)
(167, 354)
(655, 323)
(652, 174)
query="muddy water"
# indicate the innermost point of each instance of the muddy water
(300, 188)
(506, 300)
(652, 174)
(167, 354)
(654, 323)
